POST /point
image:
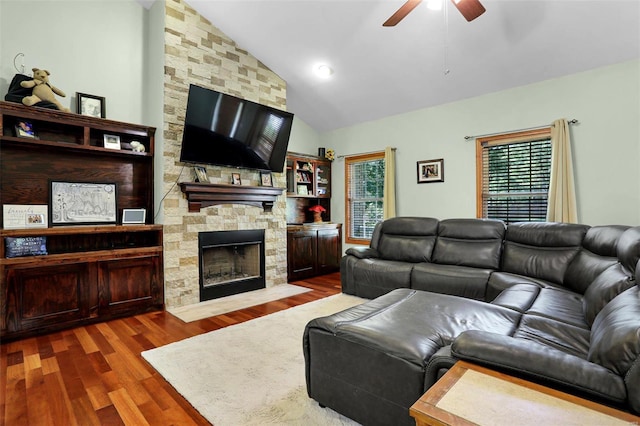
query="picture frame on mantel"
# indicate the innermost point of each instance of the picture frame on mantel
(431, 171)
(266, 179)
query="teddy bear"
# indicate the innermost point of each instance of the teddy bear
(42, 90)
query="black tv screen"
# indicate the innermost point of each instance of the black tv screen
(225, 130)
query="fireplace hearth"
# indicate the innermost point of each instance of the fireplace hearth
(231, 262)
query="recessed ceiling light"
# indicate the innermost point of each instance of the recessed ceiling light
(323, 71)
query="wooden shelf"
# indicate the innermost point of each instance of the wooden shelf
(201, 195)
(90, 273)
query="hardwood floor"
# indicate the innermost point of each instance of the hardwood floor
(94, 375)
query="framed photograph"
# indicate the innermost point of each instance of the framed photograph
(93, 106)
(431, 171)
(303, 190)
(235, 179)
(266, 179)
(82, 203)
(201, 174)
(133, 216)
(25, 129)
(21, 216)
(112, 141)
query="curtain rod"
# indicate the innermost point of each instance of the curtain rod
(574, 121)
(364, 153)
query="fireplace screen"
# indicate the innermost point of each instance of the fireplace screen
(225, 264)
(231, 262)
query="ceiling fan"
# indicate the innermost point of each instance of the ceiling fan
(470, 9)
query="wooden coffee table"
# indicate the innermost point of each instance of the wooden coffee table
(472, 395)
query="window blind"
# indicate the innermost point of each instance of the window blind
(515, 180)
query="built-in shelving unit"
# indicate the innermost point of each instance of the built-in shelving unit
(89, 273)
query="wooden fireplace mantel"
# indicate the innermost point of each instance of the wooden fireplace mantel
(201, 195)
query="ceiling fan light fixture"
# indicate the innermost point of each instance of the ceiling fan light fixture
(323, 71)
(434, 4)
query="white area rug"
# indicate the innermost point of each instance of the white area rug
(251, 373)
(220, 306)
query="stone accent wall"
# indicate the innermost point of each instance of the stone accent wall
(197, 52)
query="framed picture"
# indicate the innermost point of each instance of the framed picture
(235, 179)
(133, 216)
(82, 203)
(112, 141)
(21, 216)
(201, 174)
(93, 106)
(431, 171)
(303, 190)
(266, 179)
(25, 129)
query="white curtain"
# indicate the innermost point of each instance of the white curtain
(562, 194)
(389, 200)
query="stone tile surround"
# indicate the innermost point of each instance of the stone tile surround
(197, 52)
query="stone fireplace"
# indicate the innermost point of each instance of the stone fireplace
(195, 51)
(231, 262)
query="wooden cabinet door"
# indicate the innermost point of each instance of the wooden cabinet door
(329, 248)
(41, 298)
(301, 250)
(129, 285)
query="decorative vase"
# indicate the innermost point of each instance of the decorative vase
(317, 217)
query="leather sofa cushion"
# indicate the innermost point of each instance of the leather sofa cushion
(548, 263)
(518, 297)
(629, 248)
(448, 279)
(401, 324)
(604, 288)
(560, 305)
(598, 253)
(376, 277)
(564, 337)
(546, 234)
(541, 250)
(408, 239)
(469, 242)
(499, 281)
(615, 334)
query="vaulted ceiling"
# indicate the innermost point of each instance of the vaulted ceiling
(429, 58)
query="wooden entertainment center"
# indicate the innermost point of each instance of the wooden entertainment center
(91, 272)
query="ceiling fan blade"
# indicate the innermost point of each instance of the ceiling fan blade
(470, 9)
(401, 13)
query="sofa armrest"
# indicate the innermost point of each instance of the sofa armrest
(532, 360)
(363, 252)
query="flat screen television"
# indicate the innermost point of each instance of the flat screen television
(225, 130)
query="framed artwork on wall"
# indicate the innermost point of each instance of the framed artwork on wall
(431, 171)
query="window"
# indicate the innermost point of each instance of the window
(364, 189)
(513, 172)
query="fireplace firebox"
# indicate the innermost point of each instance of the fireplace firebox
(231, 262)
